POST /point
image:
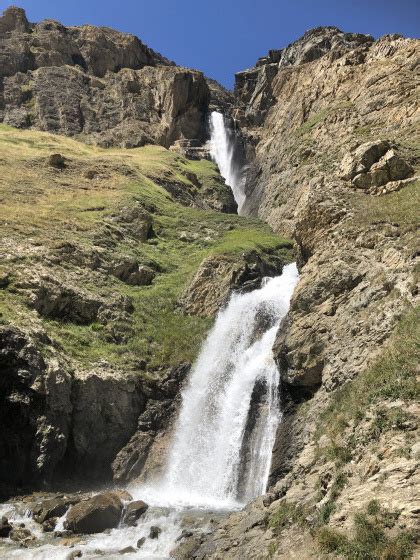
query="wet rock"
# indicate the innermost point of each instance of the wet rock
(133, 511)
(141, 542)
(144, 453)
(22, 536)
(53, 508)
(62, 534)
(48, 526)
(127, 550)
(184, 535)
(154, 532)
(75, 554)
(124, 495)
(95, 515)
(5, 527)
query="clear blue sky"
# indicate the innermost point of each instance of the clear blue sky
(221, 37)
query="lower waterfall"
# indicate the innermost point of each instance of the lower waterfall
(205, 462)
(219, 460)
(222, 441)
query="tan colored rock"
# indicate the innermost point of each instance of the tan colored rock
(220, 275)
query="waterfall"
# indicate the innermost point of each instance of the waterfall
(204, 467)
(222, 151)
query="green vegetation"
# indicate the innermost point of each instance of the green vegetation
(287, 514)
(392, 376)
(319, 117)
(400, 207)
(43, 207)
(370, 540)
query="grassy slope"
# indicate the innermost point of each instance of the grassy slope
(42, 207)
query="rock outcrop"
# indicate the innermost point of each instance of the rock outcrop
(220, 275)
(35, 411)
(97, 83)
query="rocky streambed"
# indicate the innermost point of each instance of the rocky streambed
(110, 524)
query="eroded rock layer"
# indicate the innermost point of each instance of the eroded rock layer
(99, 84)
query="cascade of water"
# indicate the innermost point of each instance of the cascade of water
(204, 464)
(223, 440)
(222, 151)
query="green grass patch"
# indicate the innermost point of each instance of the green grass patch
(312, 122)
(43, 207)
(287, 514)
(391, 377)
(400, 207)
(370, 540)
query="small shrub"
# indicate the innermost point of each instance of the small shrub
(325, 512)
(287, 514)
(373, 507)
(330, 540)
(370, 541)
(272, 549)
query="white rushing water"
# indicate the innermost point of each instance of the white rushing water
(205, 462)
(219, 459)
(222, 150)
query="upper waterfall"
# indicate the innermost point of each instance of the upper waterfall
(222, 150)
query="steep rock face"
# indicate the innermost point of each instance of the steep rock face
(310, 162)
(220, 275)
(329, 124)
(97, 83)
(144, 455)
(35, 411)
(106, 403)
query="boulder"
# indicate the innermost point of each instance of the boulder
(141, 542)
(155, 532)
(373, 165)
(49, 525)
(96, 514)
(133, 511)
(137, 221)
(22, 536)
(129, 271)
(53, 507)
(362, 159)
(5, 527)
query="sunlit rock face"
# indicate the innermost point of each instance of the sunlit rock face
(98, 83)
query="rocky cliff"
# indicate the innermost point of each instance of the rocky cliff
(329, 126)
(98, 84)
